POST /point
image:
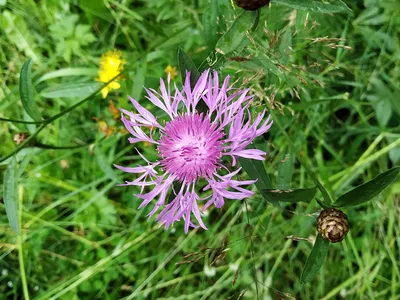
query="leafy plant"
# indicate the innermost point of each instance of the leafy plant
(70, 36)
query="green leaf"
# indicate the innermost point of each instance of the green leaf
(186, 64)
(368, 190)
(292, 196)
(285, 172)
(322, 204)
(256, 171)
(315, 260)
(10, 194)
(336, 6)
(92, 72)
(27, 91)
(236, 34)
(69, 90)
(210, 25)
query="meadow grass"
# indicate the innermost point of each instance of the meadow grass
(330, 82)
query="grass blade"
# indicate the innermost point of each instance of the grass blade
(337, 6)
(70, 90)
(285, 172)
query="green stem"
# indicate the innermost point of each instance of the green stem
(255, 21)
(20, 121)
(20, 252)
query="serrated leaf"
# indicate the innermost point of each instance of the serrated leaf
(315, 260)
(236, 34)
(292, 196)
(368, 190)
(256, 171)
(11, 193)
(186, 64)
(285, 172)
(210, 25)
(27, 91)
(335, 6)
(69, 90)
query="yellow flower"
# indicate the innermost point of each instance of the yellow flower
(111, 64)
(172, 71)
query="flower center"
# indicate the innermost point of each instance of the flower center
(190, 147)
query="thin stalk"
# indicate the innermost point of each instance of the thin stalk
(20, 251)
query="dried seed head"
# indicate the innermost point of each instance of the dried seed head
(333, 225)
(251, 4)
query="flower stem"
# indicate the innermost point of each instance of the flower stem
(20, 251)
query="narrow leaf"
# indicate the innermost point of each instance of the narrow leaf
(236, 34)
(92, 72)
(186, 64)
(70, 90)
(368, 190)
(336, 6)
(11, 194)
(27, 91)
(292, 196)
(256, 171)
(285, 172)
(210, 25)
(315, 260)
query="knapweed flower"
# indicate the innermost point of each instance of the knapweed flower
(111, 64)
(171, 71)
(192, 147)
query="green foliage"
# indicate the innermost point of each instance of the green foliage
(27, 91)
(327, 7)
(292, 196)
(70, 37)
(368, 190)
(315, 260)
(330, 81)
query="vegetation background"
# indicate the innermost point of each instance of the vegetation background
(330, 81)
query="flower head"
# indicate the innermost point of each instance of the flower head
(171, 71)
(111, 64)
(192, 147)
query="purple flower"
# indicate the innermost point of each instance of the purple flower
(191, 145)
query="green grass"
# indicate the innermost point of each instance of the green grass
(83, 237)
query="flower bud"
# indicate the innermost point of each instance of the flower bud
(333, 225)
(251, 4)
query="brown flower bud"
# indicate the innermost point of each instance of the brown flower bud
(251, 4)
(21, 137)
(333, 225)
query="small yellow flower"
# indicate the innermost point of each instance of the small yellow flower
(111, 64)
(172, 71)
